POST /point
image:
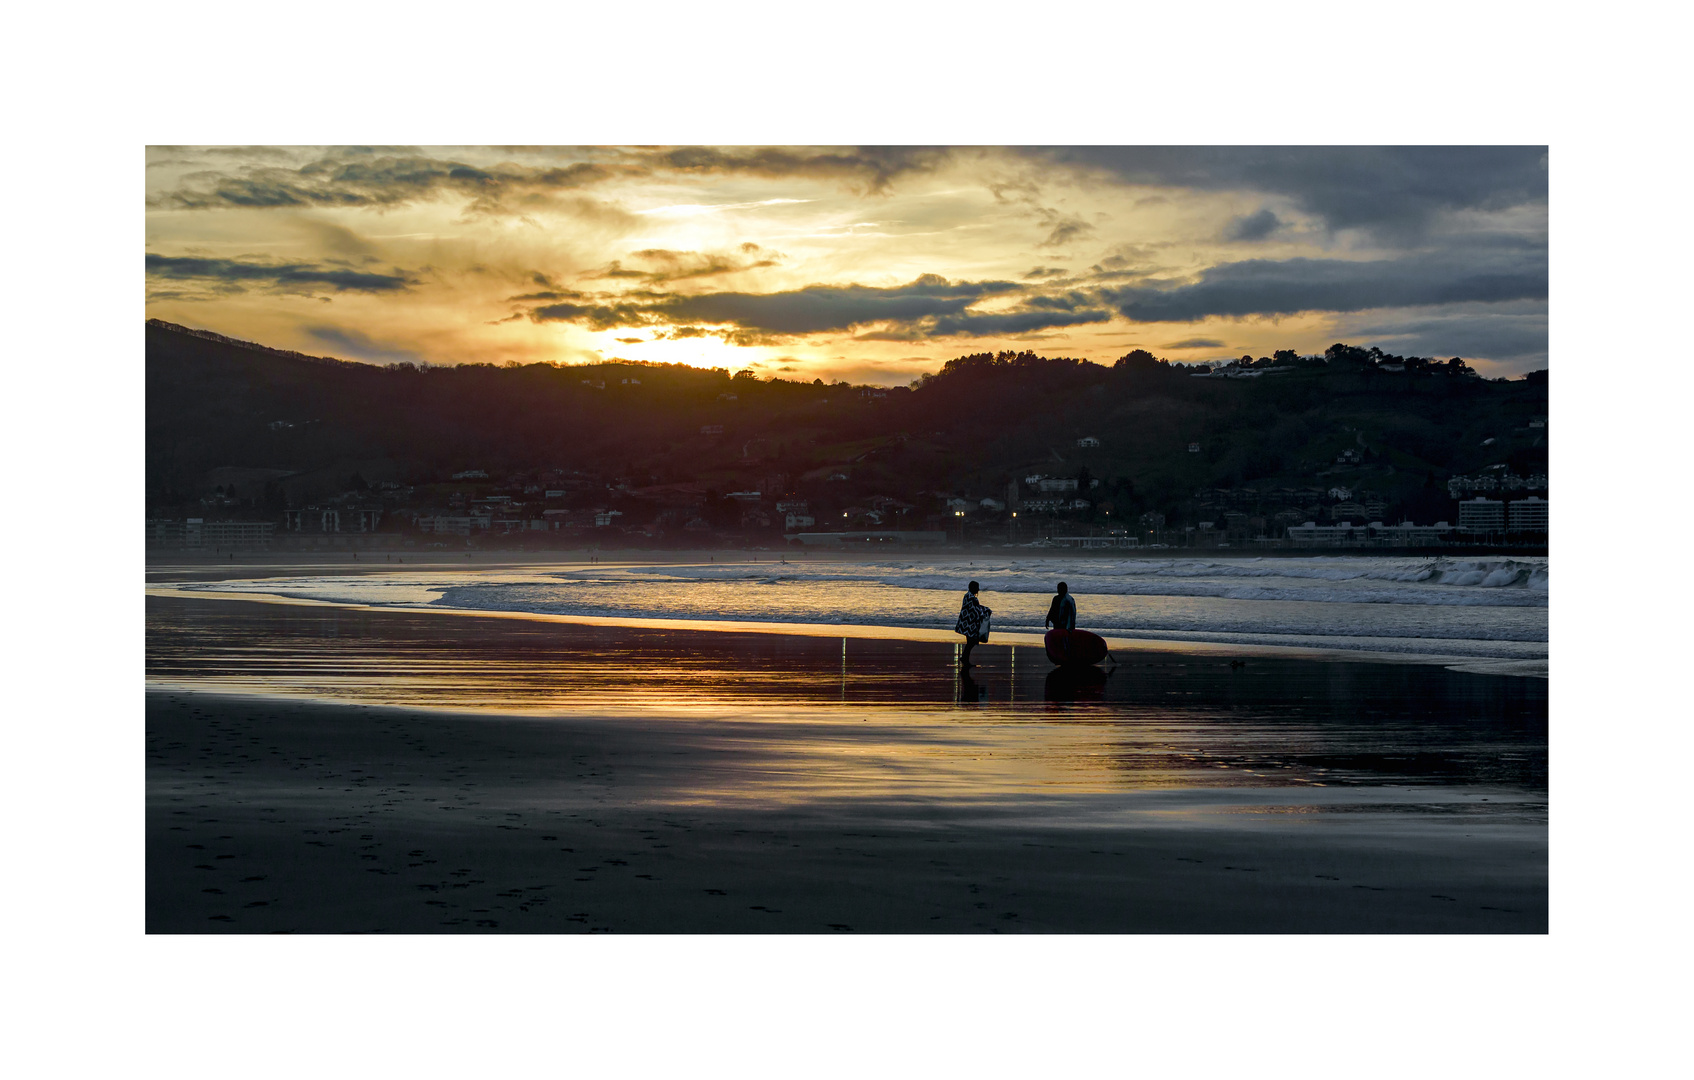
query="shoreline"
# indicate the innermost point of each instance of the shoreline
(869, 631)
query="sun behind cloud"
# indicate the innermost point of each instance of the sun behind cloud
(873, 263)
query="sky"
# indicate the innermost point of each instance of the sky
(869, 264)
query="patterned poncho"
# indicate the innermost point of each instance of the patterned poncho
(971, 615)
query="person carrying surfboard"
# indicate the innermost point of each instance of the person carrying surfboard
(1066, 645)
(972, 616)
(1061, 614)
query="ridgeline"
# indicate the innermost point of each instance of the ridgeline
(238, 430)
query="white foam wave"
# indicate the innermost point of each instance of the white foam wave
(1497, 582)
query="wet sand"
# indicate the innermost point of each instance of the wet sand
(323, 770)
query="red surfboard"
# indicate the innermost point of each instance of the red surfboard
(1075, 648)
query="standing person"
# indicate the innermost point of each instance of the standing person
(1061, 615)
(971, 617)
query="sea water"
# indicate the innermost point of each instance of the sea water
(1471, 608)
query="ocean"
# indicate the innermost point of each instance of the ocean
(1463, 609)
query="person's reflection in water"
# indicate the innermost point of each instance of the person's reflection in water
(1076, 684)
(970, 691)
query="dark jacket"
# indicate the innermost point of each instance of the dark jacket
(1063, 612)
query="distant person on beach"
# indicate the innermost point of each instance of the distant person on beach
(971, 617)
(1061, 615)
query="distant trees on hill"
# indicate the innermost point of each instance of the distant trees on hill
(969, 428)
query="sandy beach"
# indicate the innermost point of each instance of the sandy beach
(314, 769)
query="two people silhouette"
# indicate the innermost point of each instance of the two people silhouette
(973, 618)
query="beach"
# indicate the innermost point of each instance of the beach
(319, 768)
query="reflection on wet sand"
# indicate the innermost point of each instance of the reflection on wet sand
(1156, 719)
(415, 772)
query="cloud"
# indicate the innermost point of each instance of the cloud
(1063, 228)
(1194, 343)
(1012, 322)
(1395, 190)
(683, 265)
(341, 179)
(1045, 272)
(1288, 286)
(235, 275)
(385, 177)
(873, 168)
(358, 344)
(1251, 227)
(929, 306)
(549, 294)
(1516, 337)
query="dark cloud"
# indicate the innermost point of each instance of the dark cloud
(1194, 343)
(1000, 324)
(1063, 228)
(549, 294)
(1284, 287)
(1045, 272)
(1071, 301)
(1393, 189)
(234, 275)
(827, 308)
(1517, 338)
(872, 168)
(380, 176)
(346, 178)
(615, 269)
(682, 265)
(355, 343)
(930, 306)
(596, 316)
(1252, 227)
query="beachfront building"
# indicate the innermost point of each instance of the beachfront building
(1482, 515)
(1311, 534)
(313, 519)
(1406, 534)
(871, 538)
(200, 533)
(1114, 541)
(454, 525)
(1527, 515)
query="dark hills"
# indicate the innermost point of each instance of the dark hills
(218, 408)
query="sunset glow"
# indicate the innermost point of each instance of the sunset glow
(872, 265)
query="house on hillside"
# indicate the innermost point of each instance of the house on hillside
(1088, 442)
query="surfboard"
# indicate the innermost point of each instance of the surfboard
(1075, 648)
